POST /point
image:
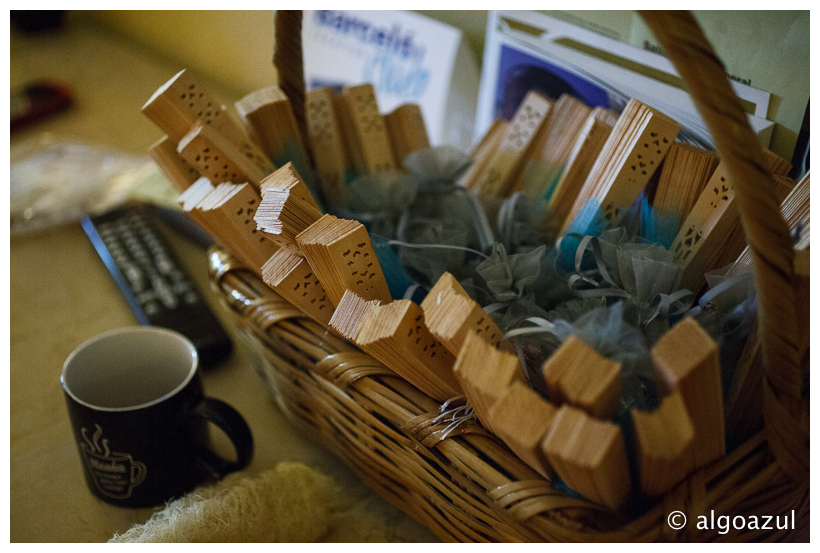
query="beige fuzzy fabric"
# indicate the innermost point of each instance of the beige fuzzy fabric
(291, 503)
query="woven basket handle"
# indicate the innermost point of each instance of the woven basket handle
(766, 232)
(289, 62)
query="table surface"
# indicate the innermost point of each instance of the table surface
(61, 295)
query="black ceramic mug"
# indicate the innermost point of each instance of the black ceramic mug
(140, 417)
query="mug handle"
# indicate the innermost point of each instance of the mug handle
(234, 426)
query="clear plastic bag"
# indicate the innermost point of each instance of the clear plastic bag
(55, 181)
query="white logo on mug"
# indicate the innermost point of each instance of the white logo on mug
(115, 474)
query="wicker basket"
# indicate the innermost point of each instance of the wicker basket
(464, 484)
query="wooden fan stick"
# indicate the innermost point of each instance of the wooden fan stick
(197, 200)
(353, 150)
(454, 315)
(342, 256)
(796, 212)
(483, 152)
(293, 279)
(349, 314)
(698, 241)
(191, 197)
(564, 122)
(446, 283)
(407, 131)
(586, 149)
(633, 152)
(219, 159)
(270, 120)
(708, 228)
(179, 172)
(326, 141)
(521, 420)
(686, 171)
(287, 208)
(396, 335)
(205, 212)
(498, 176)
(577, 375)
(781, 184)
(589, 455)
(687, 361)
(229, 210)
(744, 400)
(486, 374)
(451, 320)
(367, 137)
(664, 440)
(182, 102)
(288, 60)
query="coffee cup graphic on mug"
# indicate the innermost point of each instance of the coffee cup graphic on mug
(140, 417)
(115, 474)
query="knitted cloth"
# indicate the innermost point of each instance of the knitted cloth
(291, 503)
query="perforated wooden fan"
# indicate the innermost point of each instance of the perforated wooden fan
(194, 194)
(363, 128)
(453, 315)
(395, 334)
(179, 172)
(445, 283)
(286, 209)
(664, 439)
(191, 197)
(577, 375)
(588, 145)
(685, 172)
(522, 419)
(736, 241)
(796, 211)
(293, 279)
(631, 155)
(483, 151)
(407, 131)
(687, 361)
(486, 373)
(327, 143)
(220, 159)
(342, 256)
(498, 176)
(229, 210)
(269, 118)
(554, 145)
(705, 240)
(349, 314)
(180, 102)
(178, 105)
(589, 455)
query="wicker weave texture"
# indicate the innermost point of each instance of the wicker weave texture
(465, 485)
(462, 482)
